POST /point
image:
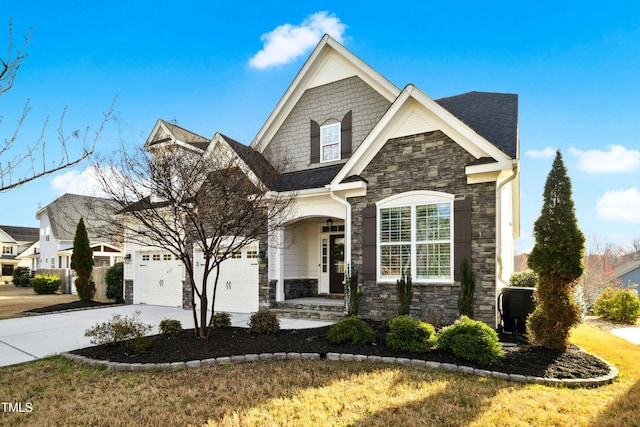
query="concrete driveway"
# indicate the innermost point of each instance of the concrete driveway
(30, 338)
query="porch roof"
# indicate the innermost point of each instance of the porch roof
(308, 178)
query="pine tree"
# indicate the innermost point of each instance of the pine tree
(557, 258)
(82, 263)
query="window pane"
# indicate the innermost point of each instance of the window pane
(395, 260)
(433, 261)
(395, 224)
(331, 152)
(433, 222)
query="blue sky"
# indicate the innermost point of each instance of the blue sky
(575, 66)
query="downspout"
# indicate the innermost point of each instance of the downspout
(499, 260)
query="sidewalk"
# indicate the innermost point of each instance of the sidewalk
(30, 338)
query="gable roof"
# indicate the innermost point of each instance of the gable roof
(22, 234)
(166, 132)
(492, 115)
(329, 62)
(254, 161)
(65, 212)
(625, 268)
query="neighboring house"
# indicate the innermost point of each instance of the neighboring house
(627, 275)
(388, 181)
(58, 223)
(15, 241)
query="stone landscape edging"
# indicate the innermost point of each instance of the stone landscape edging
(346, 357)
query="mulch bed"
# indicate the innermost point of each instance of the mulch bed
(522, 359)
(74, 305)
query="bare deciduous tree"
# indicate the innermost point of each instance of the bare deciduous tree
(184, 202)
(25, 162)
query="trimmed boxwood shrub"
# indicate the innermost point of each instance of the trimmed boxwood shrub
(264, 322)
(621, 305)
(221, 319)
(408, 334)
(170, 327)
(46, 284)
(351, 330)
(471, 340)
(525, 279)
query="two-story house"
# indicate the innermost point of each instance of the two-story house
(58, 223)
(388, 182)
(14, 242)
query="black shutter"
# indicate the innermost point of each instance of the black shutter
(461, 235)
(315, 142)
(345, 135)
(369, 242)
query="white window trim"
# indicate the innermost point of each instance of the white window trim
(413, 199)
(339, 143)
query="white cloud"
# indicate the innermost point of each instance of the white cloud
(616, 160)
(620, 205)
(287, 42)
(77, 182)
(542, 154)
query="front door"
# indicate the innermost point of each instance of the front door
(336, 263)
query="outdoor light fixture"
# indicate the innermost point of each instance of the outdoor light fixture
(127, 259)
(329, 223)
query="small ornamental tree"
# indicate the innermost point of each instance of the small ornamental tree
(82, 263)
(557, 259)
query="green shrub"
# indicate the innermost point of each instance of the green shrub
(114, 279)
(221, 319)
(351, 330)
(352, 294)
(404, 294)
(471, 340)
(264, 322)
(170, 327)
(121, 328)
(22, 277)
(46, 284)
(408, 334)
(622, 305)
(525, 279)
(467, 289)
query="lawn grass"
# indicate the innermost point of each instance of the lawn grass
(317, 393)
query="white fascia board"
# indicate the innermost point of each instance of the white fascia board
(302, 80)
(489, 172)
(350, 189)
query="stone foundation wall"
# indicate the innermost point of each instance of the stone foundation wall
(300, 288)
(128, 291)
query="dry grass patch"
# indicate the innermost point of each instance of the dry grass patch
(14, 301)
(317, 393)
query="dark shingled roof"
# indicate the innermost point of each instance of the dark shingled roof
(22, 234)
(186, 136)
(255, 160)
(306, 179)
(494, 116)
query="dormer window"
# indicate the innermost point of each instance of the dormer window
(330, 142)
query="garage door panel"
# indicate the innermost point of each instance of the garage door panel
(159, 276)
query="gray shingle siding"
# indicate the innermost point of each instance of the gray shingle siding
(330, 101)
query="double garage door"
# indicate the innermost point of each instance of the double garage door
(160, 277)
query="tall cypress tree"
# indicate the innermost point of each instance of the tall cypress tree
(557, 258)
(82, 262)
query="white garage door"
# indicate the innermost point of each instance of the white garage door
(238, 283)
(159, 277)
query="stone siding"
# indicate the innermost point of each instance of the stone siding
(430, 161)
(300, 288)
(330, 101)
(128, 291)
